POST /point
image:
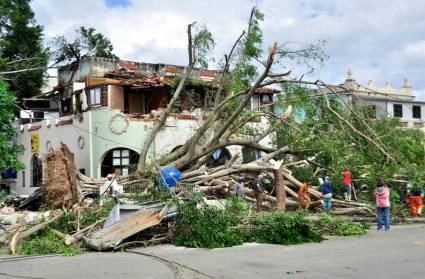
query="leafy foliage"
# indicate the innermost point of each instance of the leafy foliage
(87, 43)
(207, 227)
(21, 47)
(46, 242)
(236, 206)
(203, 43)
(283, 228)
(8, 149)
(315, 130)
(339, 226)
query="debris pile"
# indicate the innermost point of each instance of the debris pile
(130, 221)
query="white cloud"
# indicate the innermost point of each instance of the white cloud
(379, 39)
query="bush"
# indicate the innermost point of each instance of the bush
(237, 206)
(206, 227)
(339, 226)
(282, 228)
(46, 242)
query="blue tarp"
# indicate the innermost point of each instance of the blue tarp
(170, 176)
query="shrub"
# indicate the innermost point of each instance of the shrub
(339, 226)
(206, 227)
(46, 242)
(237, 206)
(282, 228)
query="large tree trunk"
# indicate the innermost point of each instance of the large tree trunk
(150, 138)
(280, 187)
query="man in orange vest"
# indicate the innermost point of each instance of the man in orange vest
(414, 199)
(304, 199)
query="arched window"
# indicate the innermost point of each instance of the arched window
(119, 160)
(36, 171)
(219, 157)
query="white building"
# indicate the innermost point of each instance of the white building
(386, 100)
(103, 110)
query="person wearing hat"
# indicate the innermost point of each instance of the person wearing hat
(326, 189)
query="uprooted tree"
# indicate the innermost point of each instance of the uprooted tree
(331, 134)
(225, 125)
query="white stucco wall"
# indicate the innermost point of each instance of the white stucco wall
(68, 134)
(407, 110)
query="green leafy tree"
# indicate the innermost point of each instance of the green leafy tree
(8, 149)
(21, 48)
(87, 43)
(315, 130)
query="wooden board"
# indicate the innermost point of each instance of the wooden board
(112, 236)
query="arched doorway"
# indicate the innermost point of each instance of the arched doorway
(218, 158)
(120, 161)
(250, 154)
(36, 171)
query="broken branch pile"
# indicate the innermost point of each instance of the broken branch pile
(221, 180)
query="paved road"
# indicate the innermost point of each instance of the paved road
(399, 253)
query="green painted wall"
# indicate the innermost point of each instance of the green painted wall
(104, 139)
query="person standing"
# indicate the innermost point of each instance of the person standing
(115, 189)
(304, 199)
(239, 187)
(414, 199)
(326, 189)
(382, 194)
(347, 183)
(258, 191)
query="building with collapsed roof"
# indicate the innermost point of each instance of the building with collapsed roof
(103, 109)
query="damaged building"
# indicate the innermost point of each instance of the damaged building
(103, 109)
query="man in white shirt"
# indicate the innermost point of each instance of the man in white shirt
(114, 187)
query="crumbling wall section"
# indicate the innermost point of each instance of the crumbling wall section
(61, 189)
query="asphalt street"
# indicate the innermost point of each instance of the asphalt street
(399, 253)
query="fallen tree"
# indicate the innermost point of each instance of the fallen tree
(246, 71)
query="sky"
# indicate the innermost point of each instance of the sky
(379, 40)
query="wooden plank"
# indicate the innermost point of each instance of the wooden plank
(112, 236)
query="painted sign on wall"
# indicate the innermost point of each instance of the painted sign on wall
(35, 144)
